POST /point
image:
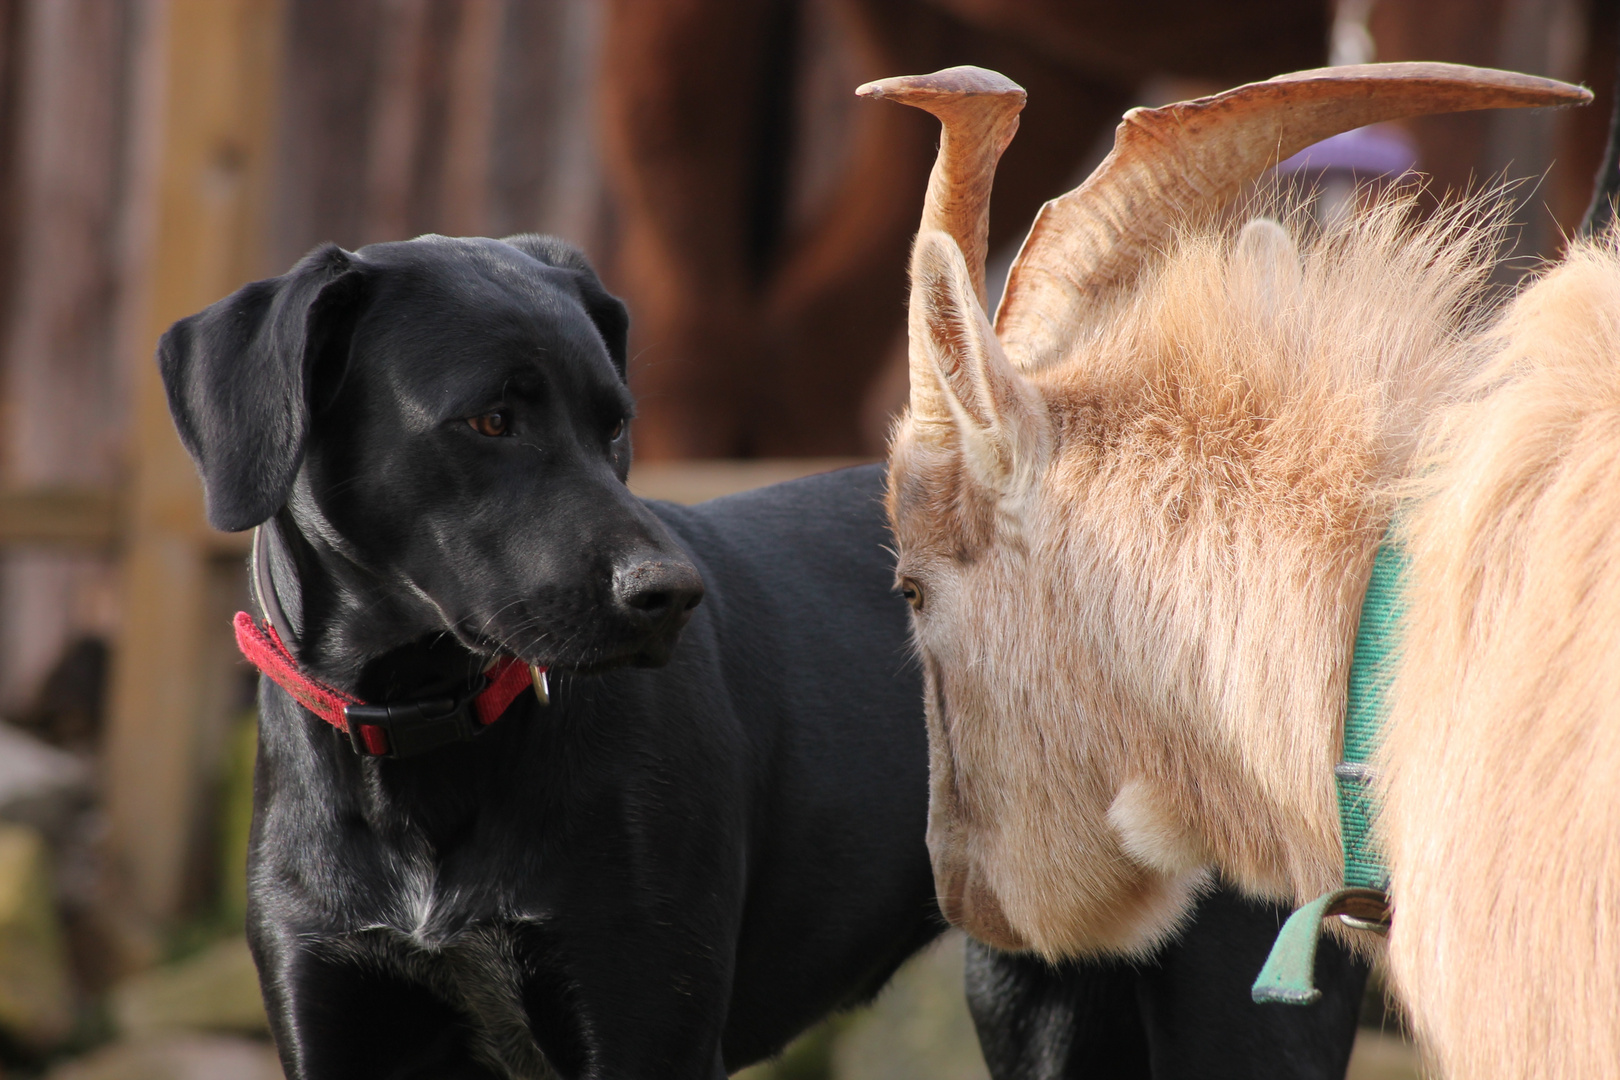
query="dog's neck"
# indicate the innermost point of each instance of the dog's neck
(347, 626)
(276, 585)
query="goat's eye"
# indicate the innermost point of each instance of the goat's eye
(491, 424)
(618, 429)
(912, 591)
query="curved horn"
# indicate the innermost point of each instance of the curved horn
(1196, 156)
(978, 114)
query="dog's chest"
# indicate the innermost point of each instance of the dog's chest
(459, 944)
(479, 971)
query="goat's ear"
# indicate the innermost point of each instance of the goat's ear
(999, 415)
(607, 311)
(1265, 277)
(239, 373)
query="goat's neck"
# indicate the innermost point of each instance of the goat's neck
(1230, 636)
(1277, 643)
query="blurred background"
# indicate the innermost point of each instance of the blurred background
(710, 158)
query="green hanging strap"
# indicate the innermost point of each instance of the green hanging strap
(1289, 977)
(1289, 974)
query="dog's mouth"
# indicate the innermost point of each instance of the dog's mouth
(653, 651)
(653, 656)
(581, 653)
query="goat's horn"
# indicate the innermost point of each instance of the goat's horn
(1194, 157)
(978, 114)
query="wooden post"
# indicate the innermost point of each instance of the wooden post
(216, 63)
(65, 212)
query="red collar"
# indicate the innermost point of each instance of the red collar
(397, 729)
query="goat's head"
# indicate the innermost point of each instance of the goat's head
(1050, 539)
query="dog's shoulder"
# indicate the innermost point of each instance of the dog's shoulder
(843, 508)
(802, 570)
(821, 535)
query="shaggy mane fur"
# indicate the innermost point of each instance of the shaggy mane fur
(1235, 440)
(1503, 754)
(1227, 448)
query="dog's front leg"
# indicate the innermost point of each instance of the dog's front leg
(333, 1017)
(619, 998)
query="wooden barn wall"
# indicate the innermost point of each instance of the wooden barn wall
(63, 391)
(463, 117)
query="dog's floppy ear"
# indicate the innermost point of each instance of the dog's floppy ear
(606, 310)
(238, 377)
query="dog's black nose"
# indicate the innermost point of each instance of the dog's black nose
(659, 589)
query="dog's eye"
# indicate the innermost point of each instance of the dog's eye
(618, 429)
(913, 592)
(491, 424)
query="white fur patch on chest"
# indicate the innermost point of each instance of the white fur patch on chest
(474, 968)
(476, 971)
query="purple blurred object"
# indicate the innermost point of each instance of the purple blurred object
(1367, 152)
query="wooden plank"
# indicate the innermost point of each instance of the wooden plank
(695, 481)
(85, 518)
(405, 69)
(432, 113)
(325, 123)
(469, 119)
(218, 64)
(63, 402)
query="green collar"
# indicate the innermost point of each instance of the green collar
(1288, 976)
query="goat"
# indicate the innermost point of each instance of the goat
(1136, 518)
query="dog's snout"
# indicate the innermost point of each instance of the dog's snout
(659, 589)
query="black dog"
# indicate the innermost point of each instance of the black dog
(659, 873)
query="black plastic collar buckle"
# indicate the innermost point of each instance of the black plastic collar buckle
(418, 725)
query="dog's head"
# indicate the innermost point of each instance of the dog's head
(448, 418)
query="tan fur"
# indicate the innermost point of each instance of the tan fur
(1162, 602)
(1136, 642)
(1503, 756)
